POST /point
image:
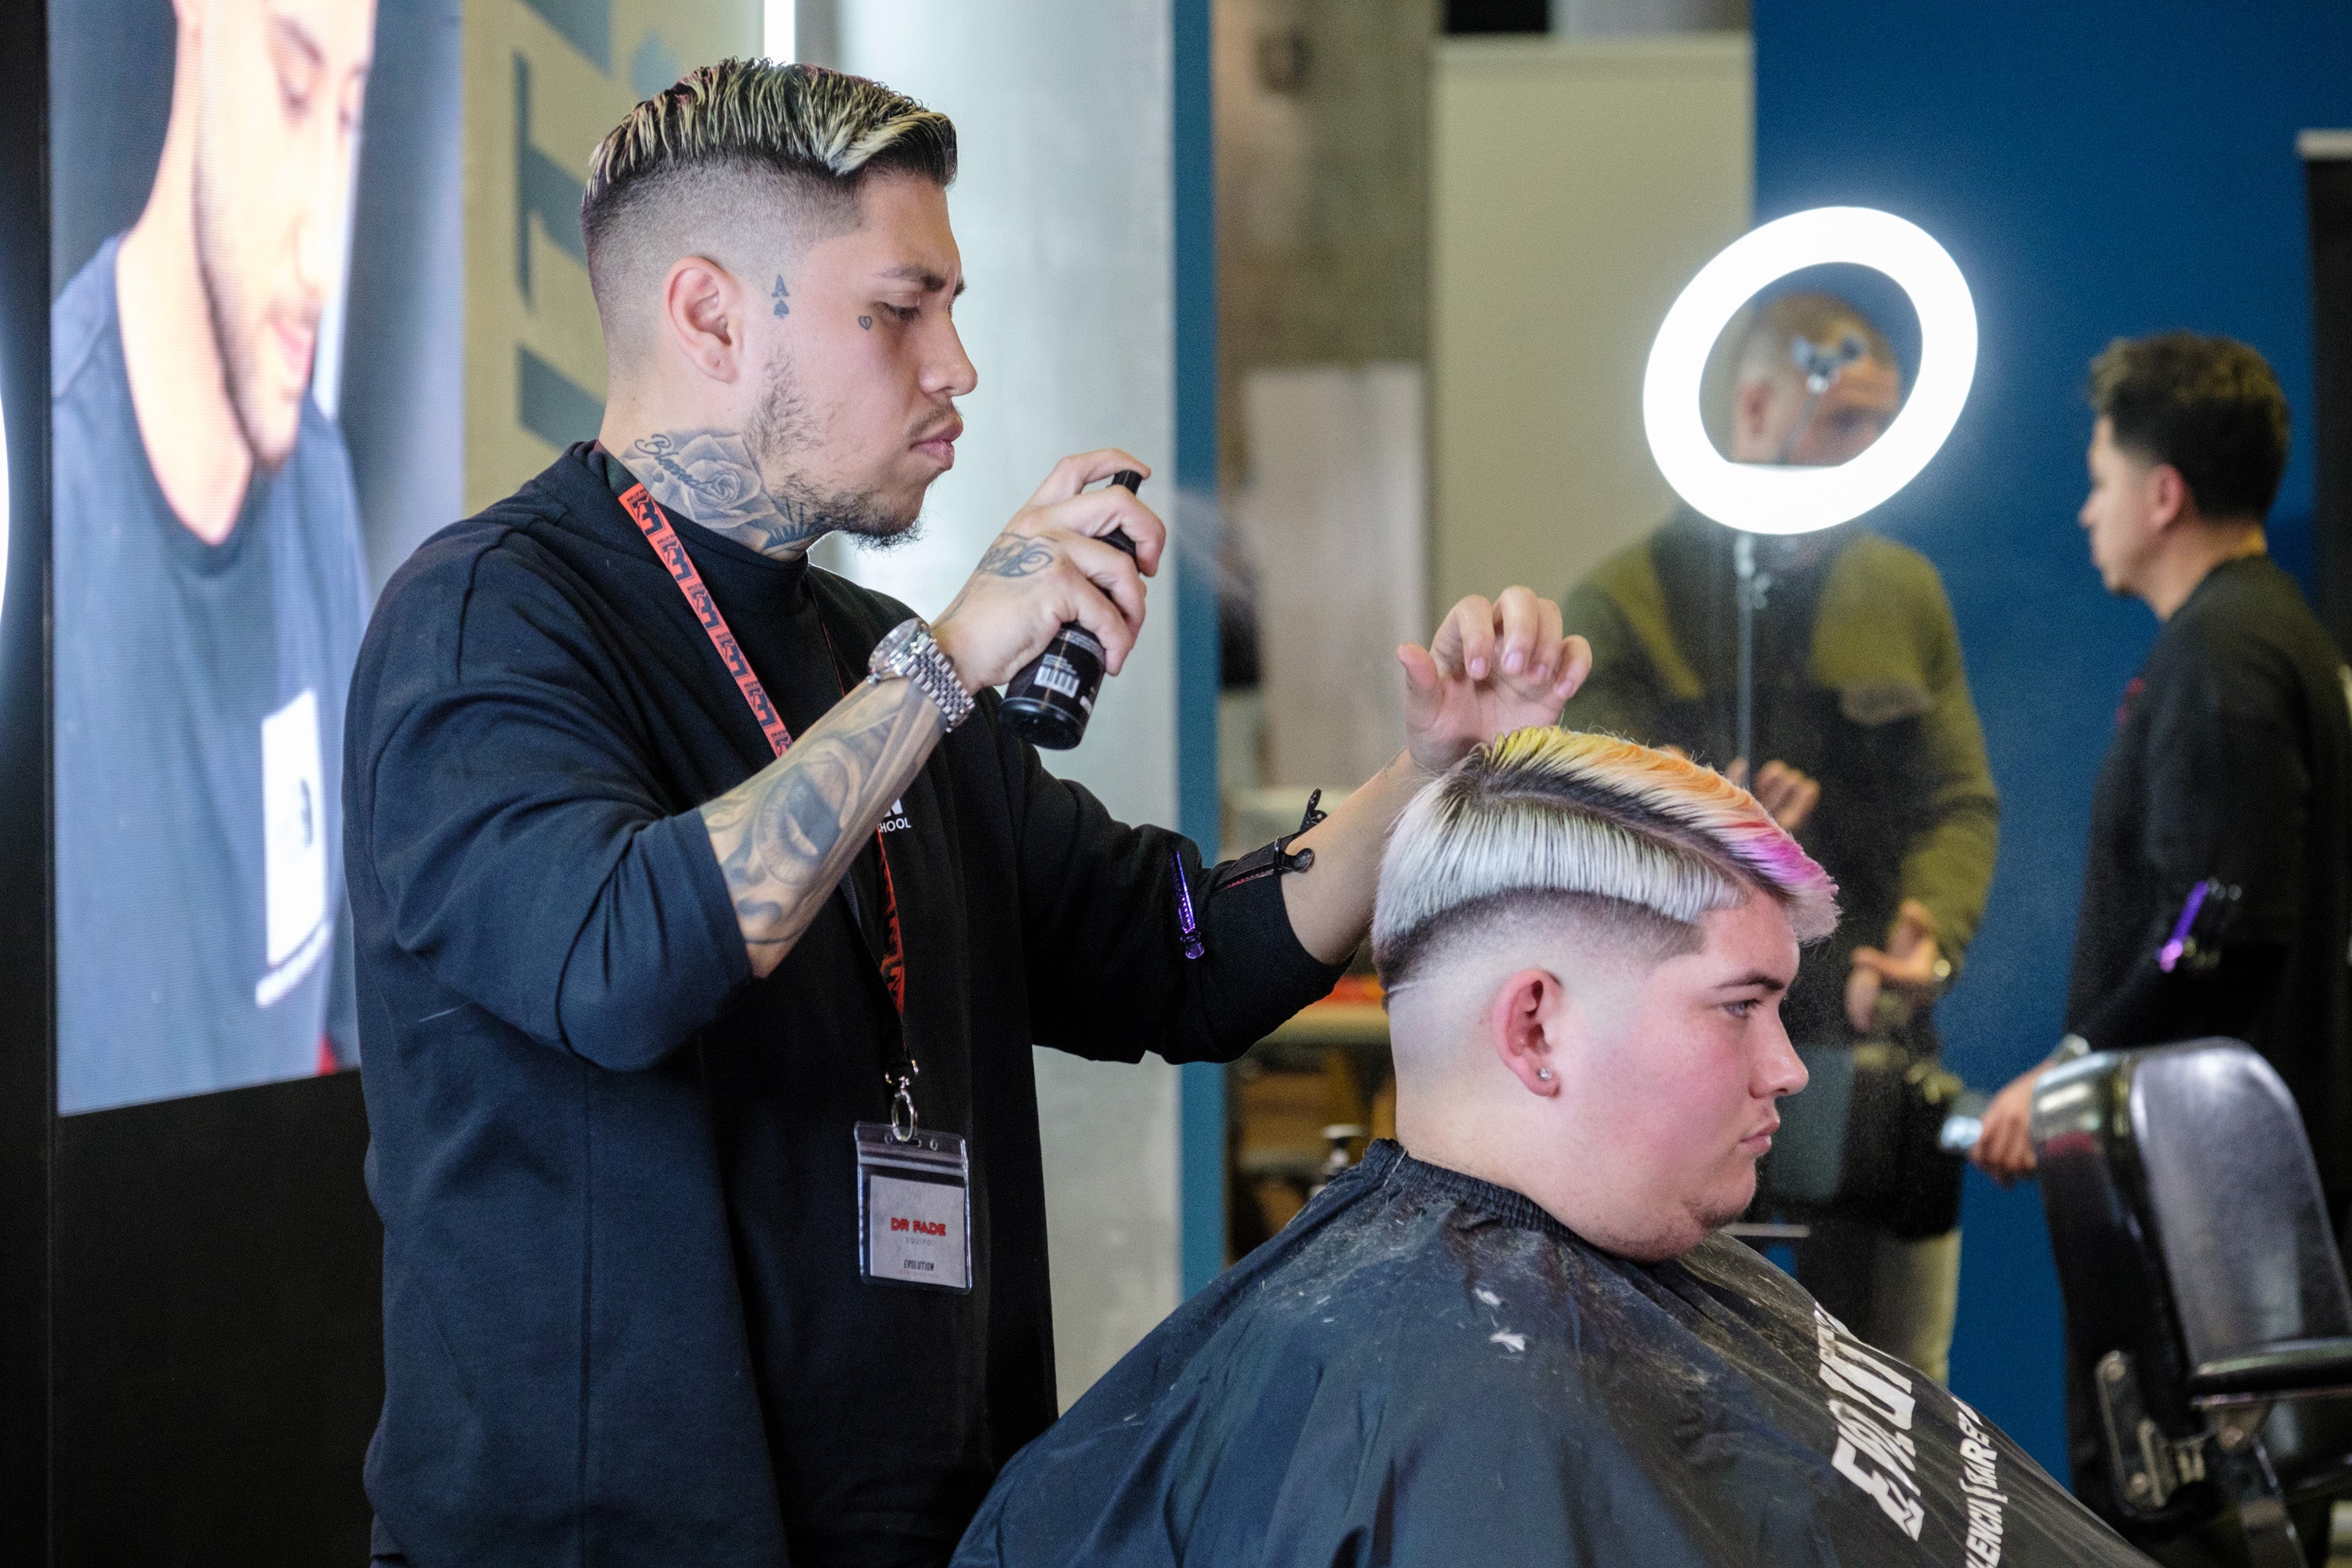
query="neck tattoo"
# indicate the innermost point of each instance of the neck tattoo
(712, 476)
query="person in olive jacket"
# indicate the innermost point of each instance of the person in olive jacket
(1871, 754)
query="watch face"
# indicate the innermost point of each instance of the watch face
(895, 643)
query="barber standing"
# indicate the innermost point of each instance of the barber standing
(2226, 796)
(707, 914)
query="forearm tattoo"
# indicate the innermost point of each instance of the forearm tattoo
(785, 835)
(713, 477)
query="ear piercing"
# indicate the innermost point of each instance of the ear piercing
(1544, 1073)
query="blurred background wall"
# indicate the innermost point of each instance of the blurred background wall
(2098, 169)
(544, 80)
(1581, 178)
(1322, 130)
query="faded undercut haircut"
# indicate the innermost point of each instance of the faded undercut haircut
(1550, 821)
(1768, 349)
(687, 163)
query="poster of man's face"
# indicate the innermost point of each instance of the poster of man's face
(279, 86)
(231, 446)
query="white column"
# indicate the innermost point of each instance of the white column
(1064, 211)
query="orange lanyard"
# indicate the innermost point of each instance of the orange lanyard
(671, 550)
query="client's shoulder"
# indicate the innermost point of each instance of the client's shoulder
(1351, 1343)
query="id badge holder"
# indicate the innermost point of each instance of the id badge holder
(914, 1208)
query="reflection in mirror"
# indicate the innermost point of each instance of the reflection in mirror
(1804, 377)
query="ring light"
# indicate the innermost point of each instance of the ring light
(1769, 499)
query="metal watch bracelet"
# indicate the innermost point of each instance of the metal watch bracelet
(907, 649)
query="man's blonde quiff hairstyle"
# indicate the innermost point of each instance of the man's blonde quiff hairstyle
(1548, 813)
(819, 131)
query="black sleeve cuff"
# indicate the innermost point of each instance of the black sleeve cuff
(1255, 972)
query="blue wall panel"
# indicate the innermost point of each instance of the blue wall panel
(1200, 1106)
(2098, 169)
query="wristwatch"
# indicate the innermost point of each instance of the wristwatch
(907, 649)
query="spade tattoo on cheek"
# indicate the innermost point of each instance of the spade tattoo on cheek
(865, 323)
(781, 295)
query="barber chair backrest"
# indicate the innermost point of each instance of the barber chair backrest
(2110, 1272)
(2186, 1220)
(2245, 1235)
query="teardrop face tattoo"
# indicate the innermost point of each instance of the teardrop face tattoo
(865, 323)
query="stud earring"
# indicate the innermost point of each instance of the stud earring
(1544, 1073)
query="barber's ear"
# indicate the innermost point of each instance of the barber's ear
(1521, 1023)
(702, 306)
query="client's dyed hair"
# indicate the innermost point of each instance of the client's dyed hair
(1549, 815)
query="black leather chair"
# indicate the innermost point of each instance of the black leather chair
(2203, 1288)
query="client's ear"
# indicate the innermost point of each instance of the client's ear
(1519, 1023)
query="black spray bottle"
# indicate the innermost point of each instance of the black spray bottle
(1048, 703)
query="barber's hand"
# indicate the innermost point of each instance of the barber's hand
(1493, 666)
(1786, 795)
(2004, 1149)
(1050, 565)
(1912, 963)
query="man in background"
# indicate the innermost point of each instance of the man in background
(2231, 769)
(209, 587)
(1874, 756)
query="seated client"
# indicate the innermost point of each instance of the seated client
(1516, 1339)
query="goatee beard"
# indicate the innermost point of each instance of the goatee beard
(860, 514)
(781, 427)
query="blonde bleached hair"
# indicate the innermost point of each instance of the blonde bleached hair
(1551, 814)
(800, 118)
(814, 132)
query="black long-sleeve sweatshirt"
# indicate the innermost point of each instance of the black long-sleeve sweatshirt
(2232, 762)
(624, 1321)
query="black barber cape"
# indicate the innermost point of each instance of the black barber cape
(2232, 761)
(1427, 1368)
(623, 1318)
